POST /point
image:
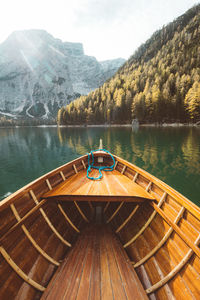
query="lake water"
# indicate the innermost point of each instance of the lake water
(171, 154)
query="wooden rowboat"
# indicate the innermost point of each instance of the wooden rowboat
(126, 236)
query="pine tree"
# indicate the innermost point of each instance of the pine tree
(192, 102)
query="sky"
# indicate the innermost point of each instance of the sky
(107, 29)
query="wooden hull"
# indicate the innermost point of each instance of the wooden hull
(128, 236)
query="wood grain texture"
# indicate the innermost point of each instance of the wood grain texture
(33, 242)
(162, 241)
(178, 231)
(147, 222)
(183, 201)
(115, 212)
(97, 268)
(68, 219)
(127, 219)
(20, 272)
(170, 275)
(112, 184)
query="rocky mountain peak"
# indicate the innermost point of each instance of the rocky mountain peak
(39, 74)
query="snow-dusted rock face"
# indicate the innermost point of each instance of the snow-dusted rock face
(39, 74)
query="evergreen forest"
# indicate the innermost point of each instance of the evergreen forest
(159, 83)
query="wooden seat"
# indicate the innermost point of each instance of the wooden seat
(112, 187)
(97, 267)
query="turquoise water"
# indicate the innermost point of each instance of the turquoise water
(171, 154)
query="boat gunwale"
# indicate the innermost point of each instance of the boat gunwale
(20, 192)
(178, 197)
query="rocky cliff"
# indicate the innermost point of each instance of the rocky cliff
(39, 74)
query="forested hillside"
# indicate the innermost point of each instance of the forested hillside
(159, 83)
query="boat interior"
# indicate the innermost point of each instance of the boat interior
(126, 236)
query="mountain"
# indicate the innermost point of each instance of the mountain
(159, 83)
(39, 74)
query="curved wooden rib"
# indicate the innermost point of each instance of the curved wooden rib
(180, 199)
(68, 219)
(105, 208)
(19, 271)
(164, 239)
(90, 205)
(75, 169)
(135, 177)
(54, 229)
(80, 211)
(141, 230)
(37, 247)
(116, 162)
(84, 166)
(49, 222)
(48, 183)
(147, 223)
(148, 186)
(62, 175)
(61, 209)
(174, 271)
(129, 217)
(123, 170)
(115, 212)
(178, 230)
(34, 209)
(33, 242)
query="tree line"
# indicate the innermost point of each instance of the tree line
(159, 83)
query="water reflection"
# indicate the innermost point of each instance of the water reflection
(191, 151)
(172, 154)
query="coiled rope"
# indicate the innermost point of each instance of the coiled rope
(100, 168)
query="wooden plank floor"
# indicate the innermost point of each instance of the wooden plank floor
(112, 184)
(97, 267)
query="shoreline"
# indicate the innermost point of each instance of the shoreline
(130, 125)
(108, 125)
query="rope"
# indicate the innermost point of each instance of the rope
(100, 168)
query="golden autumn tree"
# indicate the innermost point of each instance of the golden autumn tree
(192, 102)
